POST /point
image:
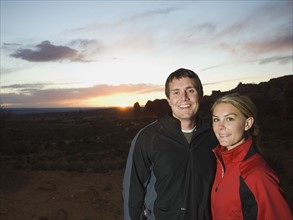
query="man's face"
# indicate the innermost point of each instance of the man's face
(183, 99)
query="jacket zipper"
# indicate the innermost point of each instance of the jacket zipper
(222, 175)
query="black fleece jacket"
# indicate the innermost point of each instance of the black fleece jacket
(167, 178)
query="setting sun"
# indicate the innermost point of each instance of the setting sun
(123, 105)
(123, 100)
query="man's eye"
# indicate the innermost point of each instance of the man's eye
(191, 90)
(230, 119)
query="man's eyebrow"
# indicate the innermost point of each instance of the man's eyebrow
(189, 87)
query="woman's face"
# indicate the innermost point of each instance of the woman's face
(229, 125)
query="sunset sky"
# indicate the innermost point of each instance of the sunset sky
(115, 53)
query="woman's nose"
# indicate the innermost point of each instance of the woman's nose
(221, 125)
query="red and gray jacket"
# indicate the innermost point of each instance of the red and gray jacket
(166, 177)
(245, 187)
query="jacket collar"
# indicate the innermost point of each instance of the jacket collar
(239, 153)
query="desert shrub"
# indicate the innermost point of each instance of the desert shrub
(4, 112)
(24, 148)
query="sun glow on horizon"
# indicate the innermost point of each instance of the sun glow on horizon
(123, 105)
(123, 100)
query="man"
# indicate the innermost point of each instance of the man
(170, 166)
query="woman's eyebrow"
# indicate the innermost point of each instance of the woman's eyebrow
(229, 114)
(226, 115)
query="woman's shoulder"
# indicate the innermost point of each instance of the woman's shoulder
(255, 165)
(257, 169)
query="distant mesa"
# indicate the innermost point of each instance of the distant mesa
(271, 98)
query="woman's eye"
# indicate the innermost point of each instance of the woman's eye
(230, 119)
(215, 119)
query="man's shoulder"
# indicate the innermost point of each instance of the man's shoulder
(149, 128)
(155, 127)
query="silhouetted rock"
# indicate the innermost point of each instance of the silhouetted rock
(288, 98)
(269, 97)
(274, 97)
(136, 108)
(157, 108)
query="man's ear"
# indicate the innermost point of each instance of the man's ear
(168, 100)
(248, 123)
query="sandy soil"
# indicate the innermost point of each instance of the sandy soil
(58, 195)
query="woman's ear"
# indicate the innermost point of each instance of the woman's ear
(248, 123)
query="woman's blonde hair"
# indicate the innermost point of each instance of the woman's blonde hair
(245, 105)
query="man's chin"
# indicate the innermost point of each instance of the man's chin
(184, 116)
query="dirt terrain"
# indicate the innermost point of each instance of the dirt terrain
(58, 195)
(57, 166)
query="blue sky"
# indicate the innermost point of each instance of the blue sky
(112, 53)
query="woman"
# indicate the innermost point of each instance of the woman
(245, 187)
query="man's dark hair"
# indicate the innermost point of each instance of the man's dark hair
(181, 73)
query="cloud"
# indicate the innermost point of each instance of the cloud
(225, 81)
(248, 33)
(9, 45)
(282, 42)
(277, 59)
(24, 86)
(152, 13)
(46, 52)
(35, 95)
(262, 17)
(278, 44)
(83, 43)
(210, 67)
(88, 47)
(130, 19)
(7, 70)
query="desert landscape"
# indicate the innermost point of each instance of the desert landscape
(69, 165)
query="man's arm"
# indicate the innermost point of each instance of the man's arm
(134, 182)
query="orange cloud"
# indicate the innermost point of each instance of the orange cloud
(36, 95)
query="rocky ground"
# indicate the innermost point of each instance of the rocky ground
(59, 195)
(64, 165)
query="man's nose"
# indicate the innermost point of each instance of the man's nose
(184, 95)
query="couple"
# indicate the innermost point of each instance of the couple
(179, 168)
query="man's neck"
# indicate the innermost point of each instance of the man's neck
(188, 125)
